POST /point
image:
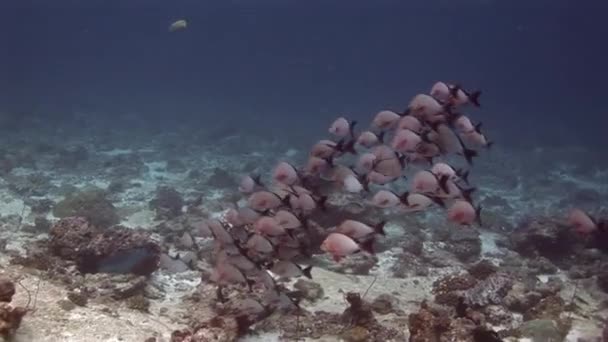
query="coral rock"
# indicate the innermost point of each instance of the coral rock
(117, 250)
(10, 319)
(7, 290)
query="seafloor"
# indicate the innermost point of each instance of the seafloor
(523, 273)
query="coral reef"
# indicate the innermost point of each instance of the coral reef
(112, 250)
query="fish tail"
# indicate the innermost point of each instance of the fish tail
(438, 201)
(257, 180)
(368, 245)
(469, 155)
(381, 136)
(443, 183)
(403, 198)
(474, 97)
(379, 228)
(321, 203)
(352, 128)
(464, 175)
(478, 216)
(466, 194)
(307, 272)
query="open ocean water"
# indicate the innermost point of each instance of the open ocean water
(286, 170)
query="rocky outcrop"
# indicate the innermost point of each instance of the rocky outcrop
(10, 316)
(114, 250)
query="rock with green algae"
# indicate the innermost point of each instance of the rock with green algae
(541, 330)
(91, 204)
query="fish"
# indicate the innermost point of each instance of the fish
(369, 139)
(178, 25)
(316, 165)
(582, 222)
(410, 122)
(427, 108)
(385, 120)
(426, 182)
(463, 213)
(268, 226)
(461, 123)
(308, 203)
(250, 183)
(287, 219)
(340, 245)
(385, 199)
(323, 149)
(259, 244)
(265, 200)
(441, 91)
(378, 178)
(285, 173)
(419, 202)
(289, 269)
(476, 139)
(405, 141)
(225, 274)
(358, 230)
(342, 128)
(353, 184)
(220, 234)
(365, 163)
(459, 96)
(450, 142)
(443, 169)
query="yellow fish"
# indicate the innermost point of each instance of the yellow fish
(178, 25)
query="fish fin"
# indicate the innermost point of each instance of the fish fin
(337, 258)
(250, 283)
(403, 198)
(474, 98)
(464, 175)
(466, 194)
(402, 158)
(454, 90)
(438, 201)
(379, 228)
(443, 183)
(321, 203)
(257, 180)
(351, 126)
(380, 136)
(489, 144)
(330, 161)
(478, 216)
(349, 147)
(285, 201)
(368, 245)
(469, 155)
(602, 225)
(478, 127)
(306, 271)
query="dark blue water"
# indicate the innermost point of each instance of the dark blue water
(270, 64)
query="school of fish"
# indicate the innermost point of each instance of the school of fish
(271, 237)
